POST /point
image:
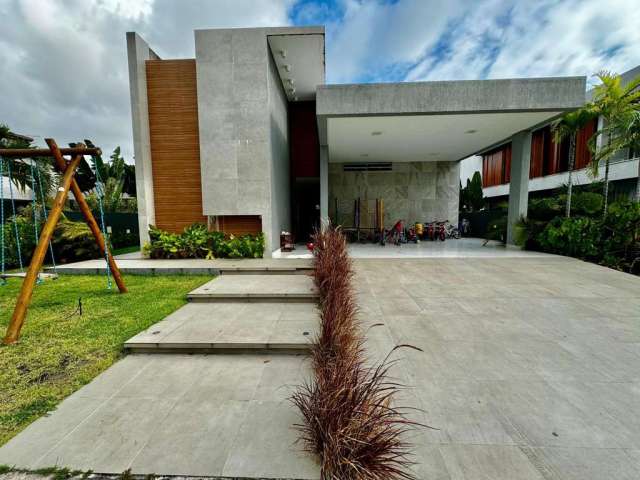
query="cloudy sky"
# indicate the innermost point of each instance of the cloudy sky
(63, 68)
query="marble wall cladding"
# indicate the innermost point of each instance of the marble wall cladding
(416, 191)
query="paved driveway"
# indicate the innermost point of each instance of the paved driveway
(530, 370)
(530, 366)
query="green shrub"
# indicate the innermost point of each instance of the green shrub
(588, 204)
(72, 241)
(196, 241)
(575, 237)
(621, 237)
(613, 241)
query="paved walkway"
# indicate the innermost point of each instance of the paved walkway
(530, 367)
(530, 370)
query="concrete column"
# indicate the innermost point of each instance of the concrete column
(324, 185)
(138, 52)
(519, 182)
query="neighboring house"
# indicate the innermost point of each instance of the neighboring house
(20, 197)
(549, 162)
(248, 138)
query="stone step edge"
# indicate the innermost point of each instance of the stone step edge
(218, 348)
(255, 297)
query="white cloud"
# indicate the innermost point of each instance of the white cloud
(63, 65)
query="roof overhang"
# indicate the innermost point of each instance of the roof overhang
(299, 57)
(436, 121)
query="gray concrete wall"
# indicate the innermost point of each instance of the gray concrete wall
(519, 184)
(235, 124)
(138, 52)
(415, 191)
(452, 97)
(279, 155)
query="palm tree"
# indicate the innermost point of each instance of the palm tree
(617, 104)
(21, 169)
(568, 127)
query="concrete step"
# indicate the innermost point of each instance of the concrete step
(231, 327)
(257, 288)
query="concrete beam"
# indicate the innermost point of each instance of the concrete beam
(467, 96)
(519, 182)
(324, 186)
(138, 52)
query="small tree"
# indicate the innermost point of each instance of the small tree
(617, 104)
(568, 127)
(475, 193)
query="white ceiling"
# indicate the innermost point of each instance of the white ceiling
(303, 55)
(416, 138)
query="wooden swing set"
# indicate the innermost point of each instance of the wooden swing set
(68, 182)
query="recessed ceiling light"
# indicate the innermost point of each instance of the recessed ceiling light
(283, 53)
(376, 133)
(471, 131)
(291, 81)
(287, 67)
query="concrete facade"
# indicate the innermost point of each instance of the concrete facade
(246, 80)
(519, 185)
(138, 52)
(234, 122)
(413, 192)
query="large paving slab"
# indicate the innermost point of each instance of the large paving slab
(231, 327)
(529, 370)
(198, 415)
(530, 367)
(264, 288)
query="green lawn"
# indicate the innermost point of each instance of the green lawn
(60, 351)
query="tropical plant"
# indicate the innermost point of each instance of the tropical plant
(115, 177)
(21, 169)
(568, 127)
(196, 241)
(618, 105)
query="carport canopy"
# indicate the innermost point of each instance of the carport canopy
(440, 121)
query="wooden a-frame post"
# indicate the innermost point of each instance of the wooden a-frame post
(26, 291)
(88, 216)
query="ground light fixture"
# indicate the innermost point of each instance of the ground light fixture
(376, 133)
(471, 131)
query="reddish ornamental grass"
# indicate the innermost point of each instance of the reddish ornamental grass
(350, 422)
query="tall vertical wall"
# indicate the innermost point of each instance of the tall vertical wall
(279, 155)
(411, 191)
(138, 52)
(243, 136)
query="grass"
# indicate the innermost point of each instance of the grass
(59, 350)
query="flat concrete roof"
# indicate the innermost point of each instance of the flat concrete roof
(449, 120)
(460, 96)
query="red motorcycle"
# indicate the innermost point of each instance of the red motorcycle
(440, 231)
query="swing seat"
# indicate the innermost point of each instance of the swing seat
(43, 276)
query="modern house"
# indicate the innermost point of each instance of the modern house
(548, 169)
(247, 137)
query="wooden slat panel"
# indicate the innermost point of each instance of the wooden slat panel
(536, 166)
(507, 163)
(240, 224)
(583, 154)
(175, 143)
